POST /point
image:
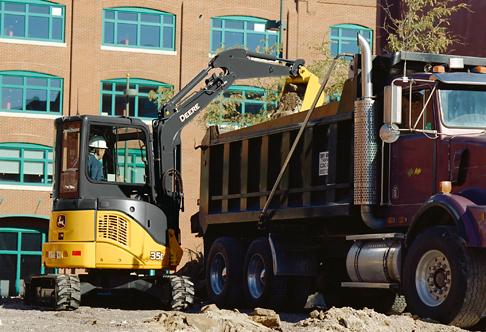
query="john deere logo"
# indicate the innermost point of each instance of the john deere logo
(61, 221)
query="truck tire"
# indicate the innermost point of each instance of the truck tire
(443, 279)
(299, 289)
(261, 287)
(224, 271)
(381, 300)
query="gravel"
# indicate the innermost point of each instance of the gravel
(15, 316)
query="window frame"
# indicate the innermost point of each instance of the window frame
(245, 31)
(20, 252)
(21, 147)
(26, 14)
(25, 87)
(244, 101)
(132, 155)
(139, 11)
(134, 83)
(340, 38)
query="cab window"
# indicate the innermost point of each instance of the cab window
(412, 107)
(118, 155)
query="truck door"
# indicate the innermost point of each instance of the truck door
(412, 172)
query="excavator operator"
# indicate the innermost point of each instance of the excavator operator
(97, 148)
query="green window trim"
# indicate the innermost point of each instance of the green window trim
(343, 38)
(223, 28)
(18, 17)
(135, 164)
(19, 252)
(248, 100)
(136, 20)
(20, 91)
(113, 90)
(17, 156)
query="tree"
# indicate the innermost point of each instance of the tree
(319, 67)
(422, 25)
(160, 96)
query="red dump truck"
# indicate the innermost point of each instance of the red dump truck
(384, 195)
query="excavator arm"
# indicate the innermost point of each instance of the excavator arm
(234, 64)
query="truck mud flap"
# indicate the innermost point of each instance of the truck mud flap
(292, 257)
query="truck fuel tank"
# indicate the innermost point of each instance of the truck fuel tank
(375, 260)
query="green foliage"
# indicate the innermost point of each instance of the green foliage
(223, 111)
(423, 26)
(320, 67)
(161, 96)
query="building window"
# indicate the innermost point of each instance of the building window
(30, 92)
(113, 100)
(33, 20)
(242, 31)
(135, 165)
(139, 27)
(343, 38)
(20, 257)
(249, 99)
(23, 163)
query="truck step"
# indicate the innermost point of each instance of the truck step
(380, 236)
(382, 285)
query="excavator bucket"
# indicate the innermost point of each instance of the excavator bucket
(299, 92)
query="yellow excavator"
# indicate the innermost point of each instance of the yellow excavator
(118, 192)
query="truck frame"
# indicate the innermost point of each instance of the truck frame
(383, 195)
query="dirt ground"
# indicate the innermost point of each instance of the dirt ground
(14, 316)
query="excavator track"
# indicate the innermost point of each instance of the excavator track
(55, 291)
(181, 292)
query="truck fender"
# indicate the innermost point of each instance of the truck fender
(293, 257)
(457, 207)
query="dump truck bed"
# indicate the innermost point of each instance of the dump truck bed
(239, 168)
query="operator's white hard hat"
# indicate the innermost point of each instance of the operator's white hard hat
(98, 142)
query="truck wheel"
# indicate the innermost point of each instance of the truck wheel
(261, 287)
(381, 300)
(299, 289)
(224, 270)
(443, 279)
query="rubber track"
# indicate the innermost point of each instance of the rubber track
(68, 292)
(182, 289)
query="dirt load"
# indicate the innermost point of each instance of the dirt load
(14, 316)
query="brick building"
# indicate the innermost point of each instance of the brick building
(69, 57)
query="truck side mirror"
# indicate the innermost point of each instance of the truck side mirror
(392, 106)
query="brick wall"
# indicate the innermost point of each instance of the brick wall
(83, 60)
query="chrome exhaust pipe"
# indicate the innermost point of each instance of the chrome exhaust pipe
(366, 143)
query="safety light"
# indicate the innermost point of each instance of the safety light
(479, 70)
(76, 253)
(445, 187)
(438, 69)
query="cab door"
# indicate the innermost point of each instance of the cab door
(413, 156)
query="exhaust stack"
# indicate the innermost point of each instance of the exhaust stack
(366, 143)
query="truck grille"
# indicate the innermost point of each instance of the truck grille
(113, 227)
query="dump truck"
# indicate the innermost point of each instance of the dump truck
(118, 191)
(380, 194)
